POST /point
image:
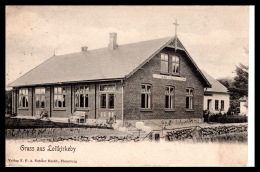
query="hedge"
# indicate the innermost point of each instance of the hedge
(225, 119)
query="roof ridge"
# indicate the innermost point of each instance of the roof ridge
(136, 55)
(170, 37)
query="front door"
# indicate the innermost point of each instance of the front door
(39, 101)
(106, 101)
(209, 105)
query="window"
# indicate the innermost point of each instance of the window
(189, 98)
(103, 101)
(216, 104)
(169, 97)
(23, 97)
(81, 96)
(40, 97)
(175, 64)
(107, 96)
(164, 63)
(146, 96)
(111, 101)
(222, 104)
(59, 96)
(107, 88)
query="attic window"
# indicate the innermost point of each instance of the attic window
(175, 64)
(164, 63)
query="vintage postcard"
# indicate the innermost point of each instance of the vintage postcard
(131, 86)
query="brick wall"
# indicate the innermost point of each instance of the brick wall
(67, 111)
(132, 98)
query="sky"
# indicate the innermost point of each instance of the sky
(215, 36)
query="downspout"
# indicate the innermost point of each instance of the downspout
(50, 100)
(71, 99)
(32, 99)
(122, 103)
(13, 101)
(95, 101)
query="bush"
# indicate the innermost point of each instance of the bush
(225, 118)
(232, 119)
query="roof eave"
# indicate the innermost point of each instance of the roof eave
(70, 82)
(148, 59)
(217, 92)
(207, 83)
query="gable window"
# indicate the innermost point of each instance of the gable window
(222, 104)
(23, 97)
(216, 104)
(189, 98)
(175, 64)
(169, 97)
(40, 97)
(164, 63)
(146, 96)
(59, 96)
(107, 96)
(81, 96)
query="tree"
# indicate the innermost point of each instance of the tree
(238, 87)
(226, 81)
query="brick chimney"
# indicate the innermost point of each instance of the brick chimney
(112, 41)
(84, 49)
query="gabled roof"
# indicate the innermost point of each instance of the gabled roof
(99, 64)
(216, 86)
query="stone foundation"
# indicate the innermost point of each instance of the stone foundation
(165, 122)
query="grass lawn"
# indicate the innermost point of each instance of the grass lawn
(19, 123)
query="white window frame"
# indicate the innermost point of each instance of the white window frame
(191, 98)
(222, 101)
(59, 94)
(175, 64)
(40, 94)
(216, 105)
(85, 94)
(148, 96)
(23, 93)
(164, 61)
(109, 89)
(171, 99)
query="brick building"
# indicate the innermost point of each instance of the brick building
(155, 79)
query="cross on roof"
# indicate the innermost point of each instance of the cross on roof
(176, 25)
(175, 42)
